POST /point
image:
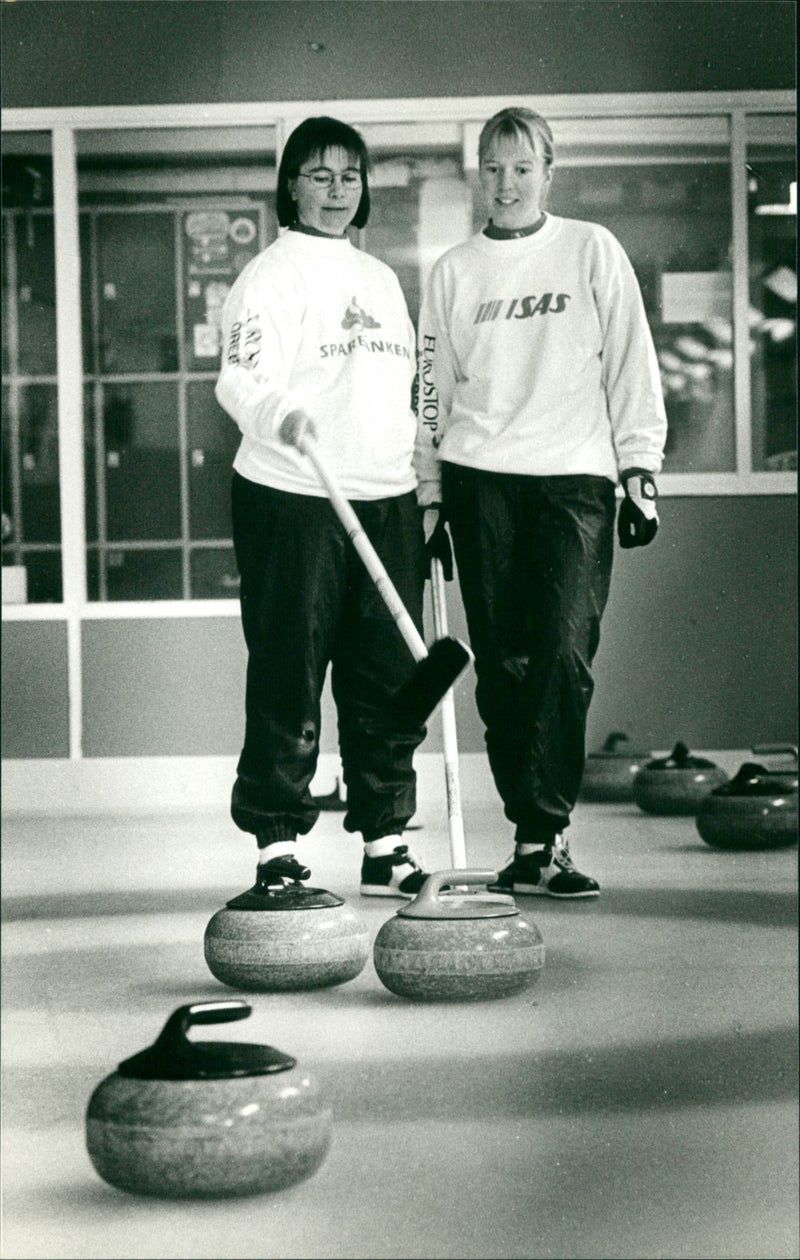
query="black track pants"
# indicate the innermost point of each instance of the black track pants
(307, 601)
(534, 559)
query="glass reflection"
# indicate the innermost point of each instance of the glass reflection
(674, 221)
(31, 521)
(168, 220)
(772, 237)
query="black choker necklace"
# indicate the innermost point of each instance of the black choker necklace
(512, 234)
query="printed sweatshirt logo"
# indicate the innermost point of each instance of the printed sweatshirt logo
(244, 342)
(521, 308)
(426, 400)
(355, 317)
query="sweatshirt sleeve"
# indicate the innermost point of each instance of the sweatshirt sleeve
(261, 329)
(631, 375)
(436, 379)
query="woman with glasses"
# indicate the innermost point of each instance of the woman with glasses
(317, 339)
(539, 392)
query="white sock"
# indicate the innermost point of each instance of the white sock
(382, 847)
(281, 848)
(523, 850)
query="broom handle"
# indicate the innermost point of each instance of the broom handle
(362, 544)
(455, 820)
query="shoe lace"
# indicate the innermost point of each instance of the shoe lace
(402, 856)
(561, 855)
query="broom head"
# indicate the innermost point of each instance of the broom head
(432, 678)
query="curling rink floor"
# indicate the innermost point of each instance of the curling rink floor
(640, 1100)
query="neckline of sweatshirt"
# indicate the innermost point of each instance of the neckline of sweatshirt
(313, 244)
(517, 245)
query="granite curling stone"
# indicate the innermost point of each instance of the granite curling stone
(676, 784)
(204, 1119)
(609, 773)
(281, 935)
(757, 809)
(453, 943)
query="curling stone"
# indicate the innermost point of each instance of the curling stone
(676, 784)
(757, 809)
(284, 936)
(609, 773)
(458, 945)
(207, 1119)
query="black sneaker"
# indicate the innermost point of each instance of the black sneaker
(272, 874)
(398, 874)
(547, 873)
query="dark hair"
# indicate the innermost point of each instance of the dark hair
(518, 123)
(311, 139)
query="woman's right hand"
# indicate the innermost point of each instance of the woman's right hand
(297, 425)
(437, 539)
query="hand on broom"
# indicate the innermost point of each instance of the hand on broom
(295, 426)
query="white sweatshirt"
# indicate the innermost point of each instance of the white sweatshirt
(536, 357)
(315, 323)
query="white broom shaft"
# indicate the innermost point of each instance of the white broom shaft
(362, 544)
(455, 819)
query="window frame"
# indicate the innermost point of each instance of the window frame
(427, 120)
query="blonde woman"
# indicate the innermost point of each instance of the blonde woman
(539, 393)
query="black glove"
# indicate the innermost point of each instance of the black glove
(637, 523)
(437, 539)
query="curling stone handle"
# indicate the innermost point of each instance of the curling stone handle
(429, 893)
(174, 1033)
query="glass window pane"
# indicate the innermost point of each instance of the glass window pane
(214, 573)
(93, 450)
(6, 463)
(28, 257)
(213, 439)
(93, 591)
(44, 583)
(391, 235)
(31, 492)
(10, 463)
(772, 237)
(8, 244)
(216, 244)
(141, 462)
(36, 292)
(136, 292)
(674, 221)
(156, 574)
(90, 334)
(421, 200)
(168, 218)
(38, 438)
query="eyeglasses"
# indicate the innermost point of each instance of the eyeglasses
(325, 179)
